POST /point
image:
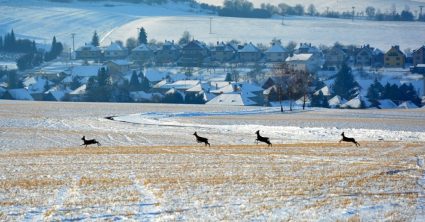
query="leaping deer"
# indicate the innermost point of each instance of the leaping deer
(89, 142)
(262, 139)
(200, 139)
(348, 139)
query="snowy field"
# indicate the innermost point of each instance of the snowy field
(42, 20)
(150, 168)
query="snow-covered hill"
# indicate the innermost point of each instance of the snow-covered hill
(40, 20)
(338, 5)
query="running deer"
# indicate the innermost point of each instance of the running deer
(348, 139)
(200, 139)
(89, 142)
(262, 139)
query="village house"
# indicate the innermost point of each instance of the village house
(276, 53)
(419, 56)
(394, 57)
(335, 56)
(304, 62)
(88, 52)
(168, 53)
(142, 54)
(223, 52)
(118, 67)
(193, 54)
(115, 51)
(377, 58)
(249, 53)
(364, 56)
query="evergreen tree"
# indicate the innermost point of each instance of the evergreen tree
(95, 39)
(375, 91)
(134, 84)
(13, 81)
(143, 38)
(345, 85)
(228, 77)
(55, 50)
(194, 98)
(144, 84)
(325, 103)
(317, 100)
(75, 83)
(391, 92)
(1, 43)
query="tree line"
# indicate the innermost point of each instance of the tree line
(32, 56)
(244, 8)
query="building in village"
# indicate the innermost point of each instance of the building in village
(394, 58)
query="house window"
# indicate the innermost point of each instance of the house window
(398, 58)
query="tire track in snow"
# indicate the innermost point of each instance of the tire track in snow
(148, 207)
(45, 213)
(420, 184)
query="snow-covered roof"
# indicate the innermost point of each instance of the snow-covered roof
(85, 71)
(88, 47)
(199, 88)
(299, 57)
(386, 104)
(181, 84)
(20, 94)
(276, 48)
(249, 48)
(300, 101)
(355, 103)
(142, 48)
(121, 62)
(114, 47)
(325, 91)
(160, 84)
(35, 84)
(79, 91)
(155, 75)
(58, 95)
(244, 87)
(219, 84)
(231, 99)
(336, 101)
(407, 105)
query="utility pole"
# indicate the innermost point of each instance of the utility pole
(211, 25)
(353, 13)
(420, 13)
(73, 41)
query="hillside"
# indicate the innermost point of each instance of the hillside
(41, 20)
(338, 5)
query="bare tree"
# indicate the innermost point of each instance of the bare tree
(290, 84)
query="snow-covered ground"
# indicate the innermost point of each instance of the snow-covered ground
(42, 20)
(149, 168)
(47, 125)
(300, 29)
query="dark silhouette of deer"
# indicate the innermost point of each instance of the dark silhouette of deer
(348, 139)
(262, 139)
(89, 142)
(200, 139)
